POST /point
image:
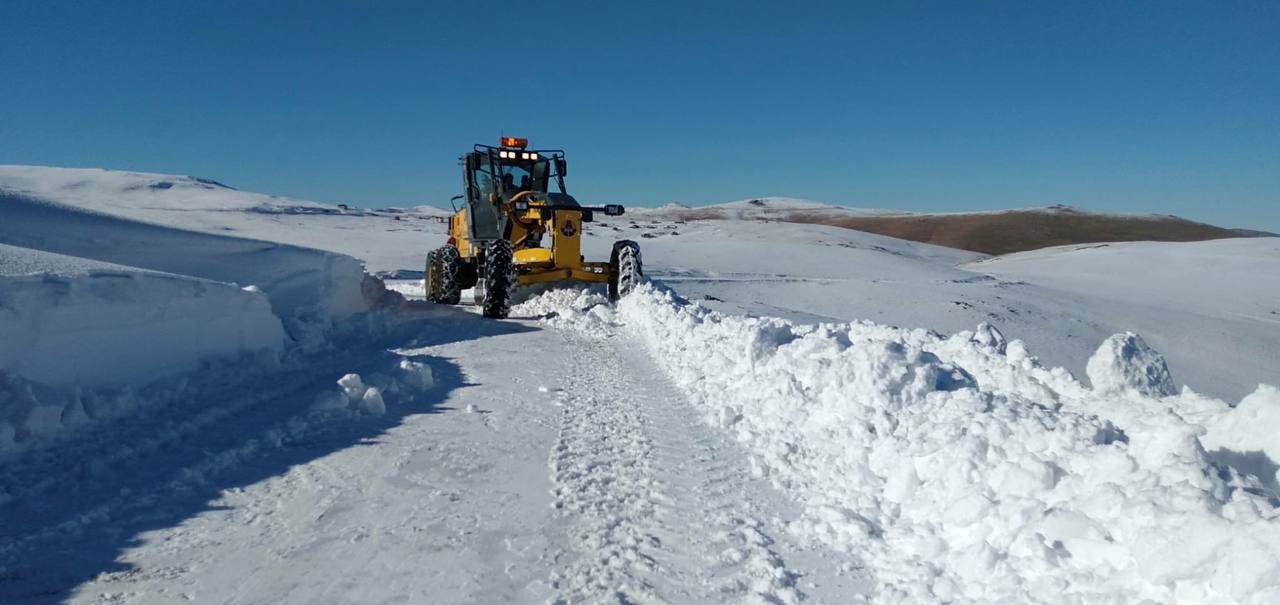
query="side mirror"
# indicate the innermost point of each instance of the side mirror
(614, 209)
(562, 167)
(587, 216)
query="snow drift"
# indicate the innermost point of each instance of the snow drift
(962, 469)
(93, 304)
(384, 240)
(76, 335)
(104, 325)
(302, 284)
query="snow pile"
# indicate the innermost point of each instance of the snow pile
(1248, 438)
(1126, 362)
(962, 469)
(367, 395)
(565, 308)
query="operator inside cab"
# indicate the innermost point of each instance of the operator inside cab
(525, 175)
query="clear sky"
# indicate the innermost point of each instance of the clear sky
(1167, 107)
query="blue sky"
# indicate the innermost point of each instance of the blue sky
(1167, 107)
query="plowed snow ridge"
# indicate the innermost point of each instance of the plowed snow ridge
(964, 470)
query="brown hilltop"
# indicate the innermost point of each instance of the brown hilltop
(1001, 232)
(1019, 230)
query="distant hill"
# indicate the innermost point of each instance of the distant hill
(999, 232)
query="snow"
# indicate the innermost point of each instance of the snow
(964, 472)
(85, 329)
(92, 302)
(1206, 306)
(193, 204)
(1127, 362)
(300, 283)
(1217, 277)
(204, 396)
(73, 332)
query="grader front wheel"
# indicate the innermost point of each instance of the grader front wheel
(625, 269)
(499, 279)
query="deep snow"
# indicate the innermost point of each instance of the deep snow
(835, 417)
(66, 321)
(95, 305)
(962, 469)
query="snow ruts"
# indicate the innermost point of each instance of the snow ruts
(657, 506)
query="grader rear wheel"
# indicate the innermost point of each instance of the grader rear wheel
(441, 278)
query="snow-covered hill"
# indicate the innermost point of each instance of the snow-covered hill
(790, 412)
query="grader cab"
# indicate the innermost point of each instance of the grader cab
(511, 230)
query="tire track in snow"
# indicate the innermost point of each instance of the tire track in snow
(657, 507)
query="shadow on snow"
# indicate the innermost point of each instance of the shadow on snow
(69, 512)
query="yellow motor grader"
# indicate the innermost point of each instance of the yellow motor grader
(512, 231)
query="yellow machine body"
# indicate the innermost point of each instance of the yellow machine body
(530, 226)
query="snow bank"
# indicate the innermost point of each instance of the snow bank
(76, 335)
(963, 470)
(95, 305)
(304, 286)
(118, 327)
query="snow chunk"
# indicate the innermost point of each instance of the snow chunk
(416, 375)
(1125, 361)
(353, 386)
(371, 402)
(989, 336)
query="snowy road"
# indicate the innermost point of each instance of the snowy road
(658, 507)
(545, 465)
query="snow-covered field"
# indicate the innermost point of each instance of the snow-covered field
(203, 397)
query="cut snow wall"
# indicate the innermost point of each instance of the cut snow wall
(79, 338)
(301, 283)
(117, 328)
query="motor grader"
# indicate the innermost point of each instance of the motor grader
(511, 230)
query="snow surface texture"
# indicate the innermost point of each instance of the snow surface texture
(1213, 308)
(302, 284)
(75, 332)
(1208, 307)
(964, 470)
(92, 302)
(354, 395)
(73, 324)
(205, 206)
(1205, 305)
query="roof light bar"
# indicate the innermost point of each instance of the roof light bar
(516, 142)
